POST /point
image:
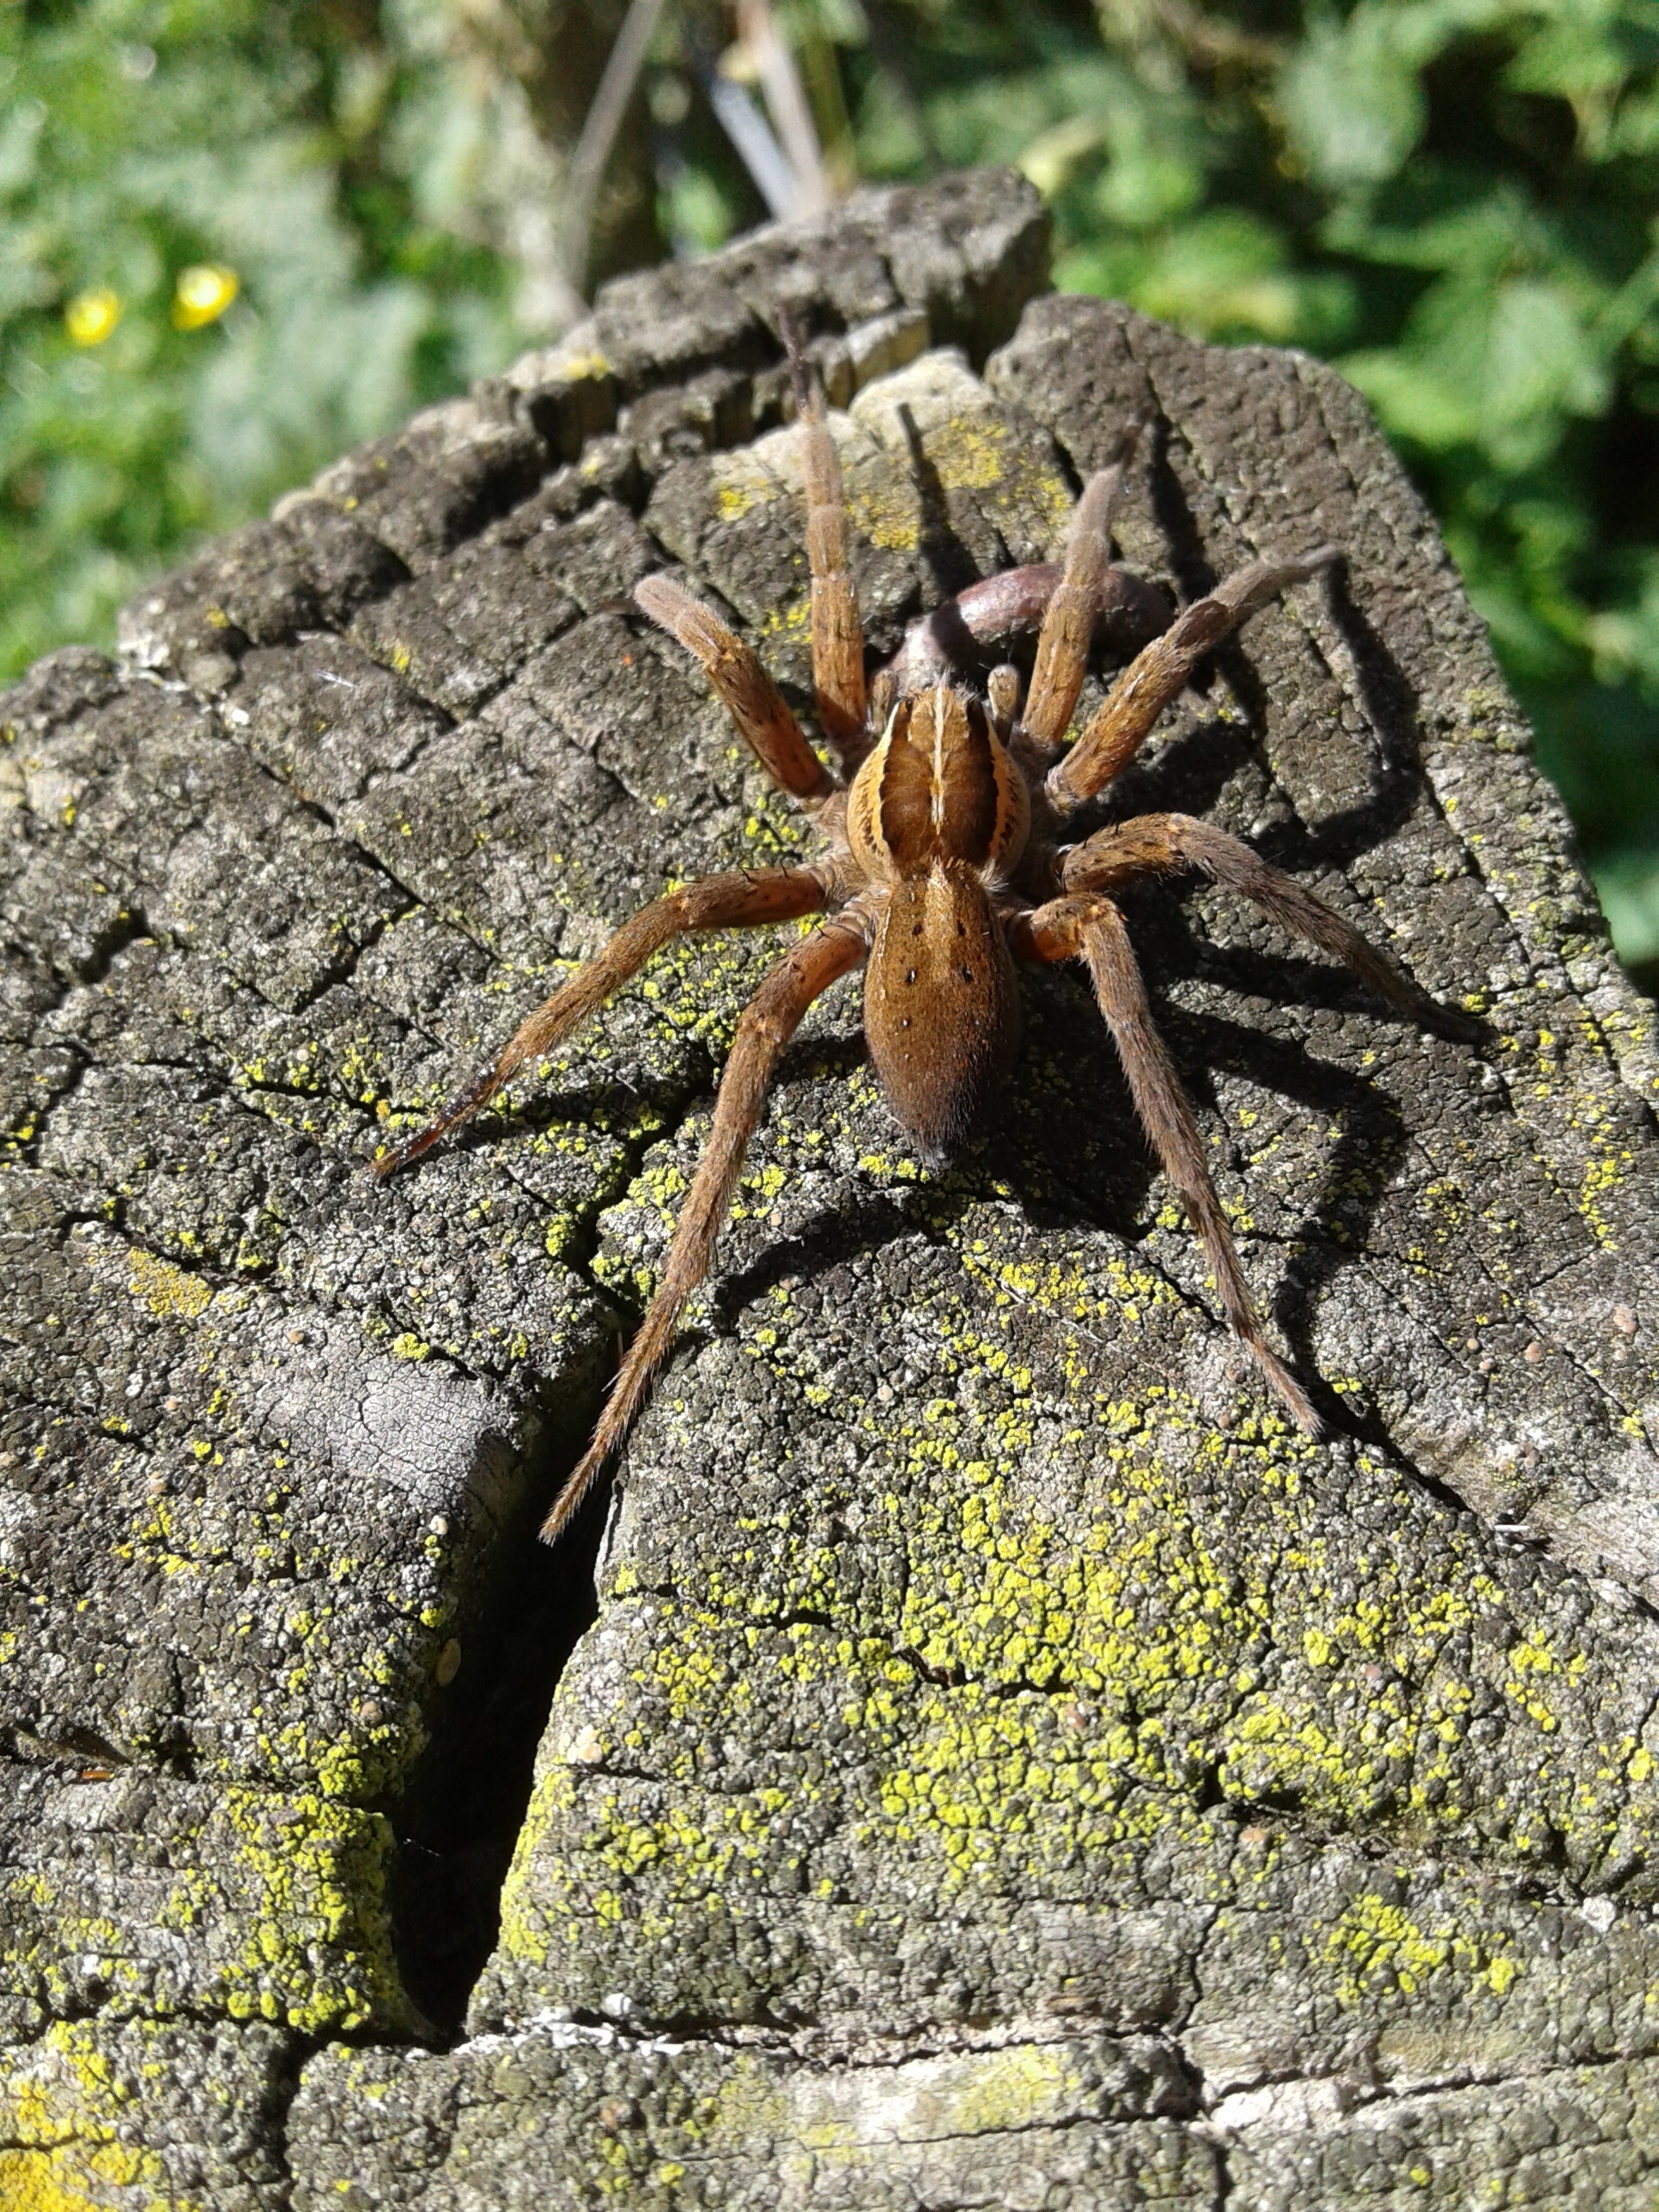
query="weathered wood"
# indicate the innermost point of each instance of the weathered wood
(1009, 1766)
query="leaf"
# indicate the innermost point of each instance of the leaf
(1541, 365)
(1627, 883)
(1351, 101)
(1413, 398)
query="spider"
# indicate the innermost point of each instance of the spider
(946, 864)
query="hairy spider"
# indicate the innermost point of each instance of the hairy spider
(946, 864)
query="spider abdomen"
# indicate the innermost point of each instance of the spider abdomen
(941, 1007)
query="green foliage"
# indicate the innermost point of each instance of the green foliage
(1455, 201)
(140, 139)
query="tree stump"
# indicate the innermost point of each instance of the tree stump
(1003, 1764)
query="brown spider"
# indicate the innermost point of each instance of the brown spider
(945, 865)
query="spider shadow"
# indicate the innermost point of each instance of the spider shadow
(1334, 1226)
(1110, 1185)
(1385, 696)
(1186, 773)
(604, 1106)
(1057, 1140)
(938, 543)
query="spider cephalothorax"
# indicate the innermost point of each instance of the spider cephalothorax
(946, 864)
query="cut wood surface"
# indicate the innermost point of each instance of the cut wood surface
(1006, 1765)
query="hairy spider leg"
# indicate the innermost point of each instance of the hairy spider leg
(1162, 669)
(739, 900)
(1068, 620)
(837, 633)
(768, 1022)
(752, 699)
(1126, 853)
(1092, 928)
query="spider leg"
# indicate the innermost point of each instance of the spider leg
(730, 901)
(768, 1022)
(1093, 927)
(1162, 669)
(1164, 844)
(752, 699)
(1068, 620)
(837, 633)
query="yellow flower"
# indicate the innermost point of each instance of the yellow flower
(91, 316)
(201, 295)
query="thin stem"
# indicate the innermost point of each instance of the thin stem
(786, 102)
(594, 148)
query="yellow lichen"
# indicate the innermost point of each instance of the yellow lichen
(166, 1289)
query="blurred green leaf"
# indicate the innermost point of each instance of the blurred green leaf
(140, 139)
(1351, 96)
(1628, 883)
